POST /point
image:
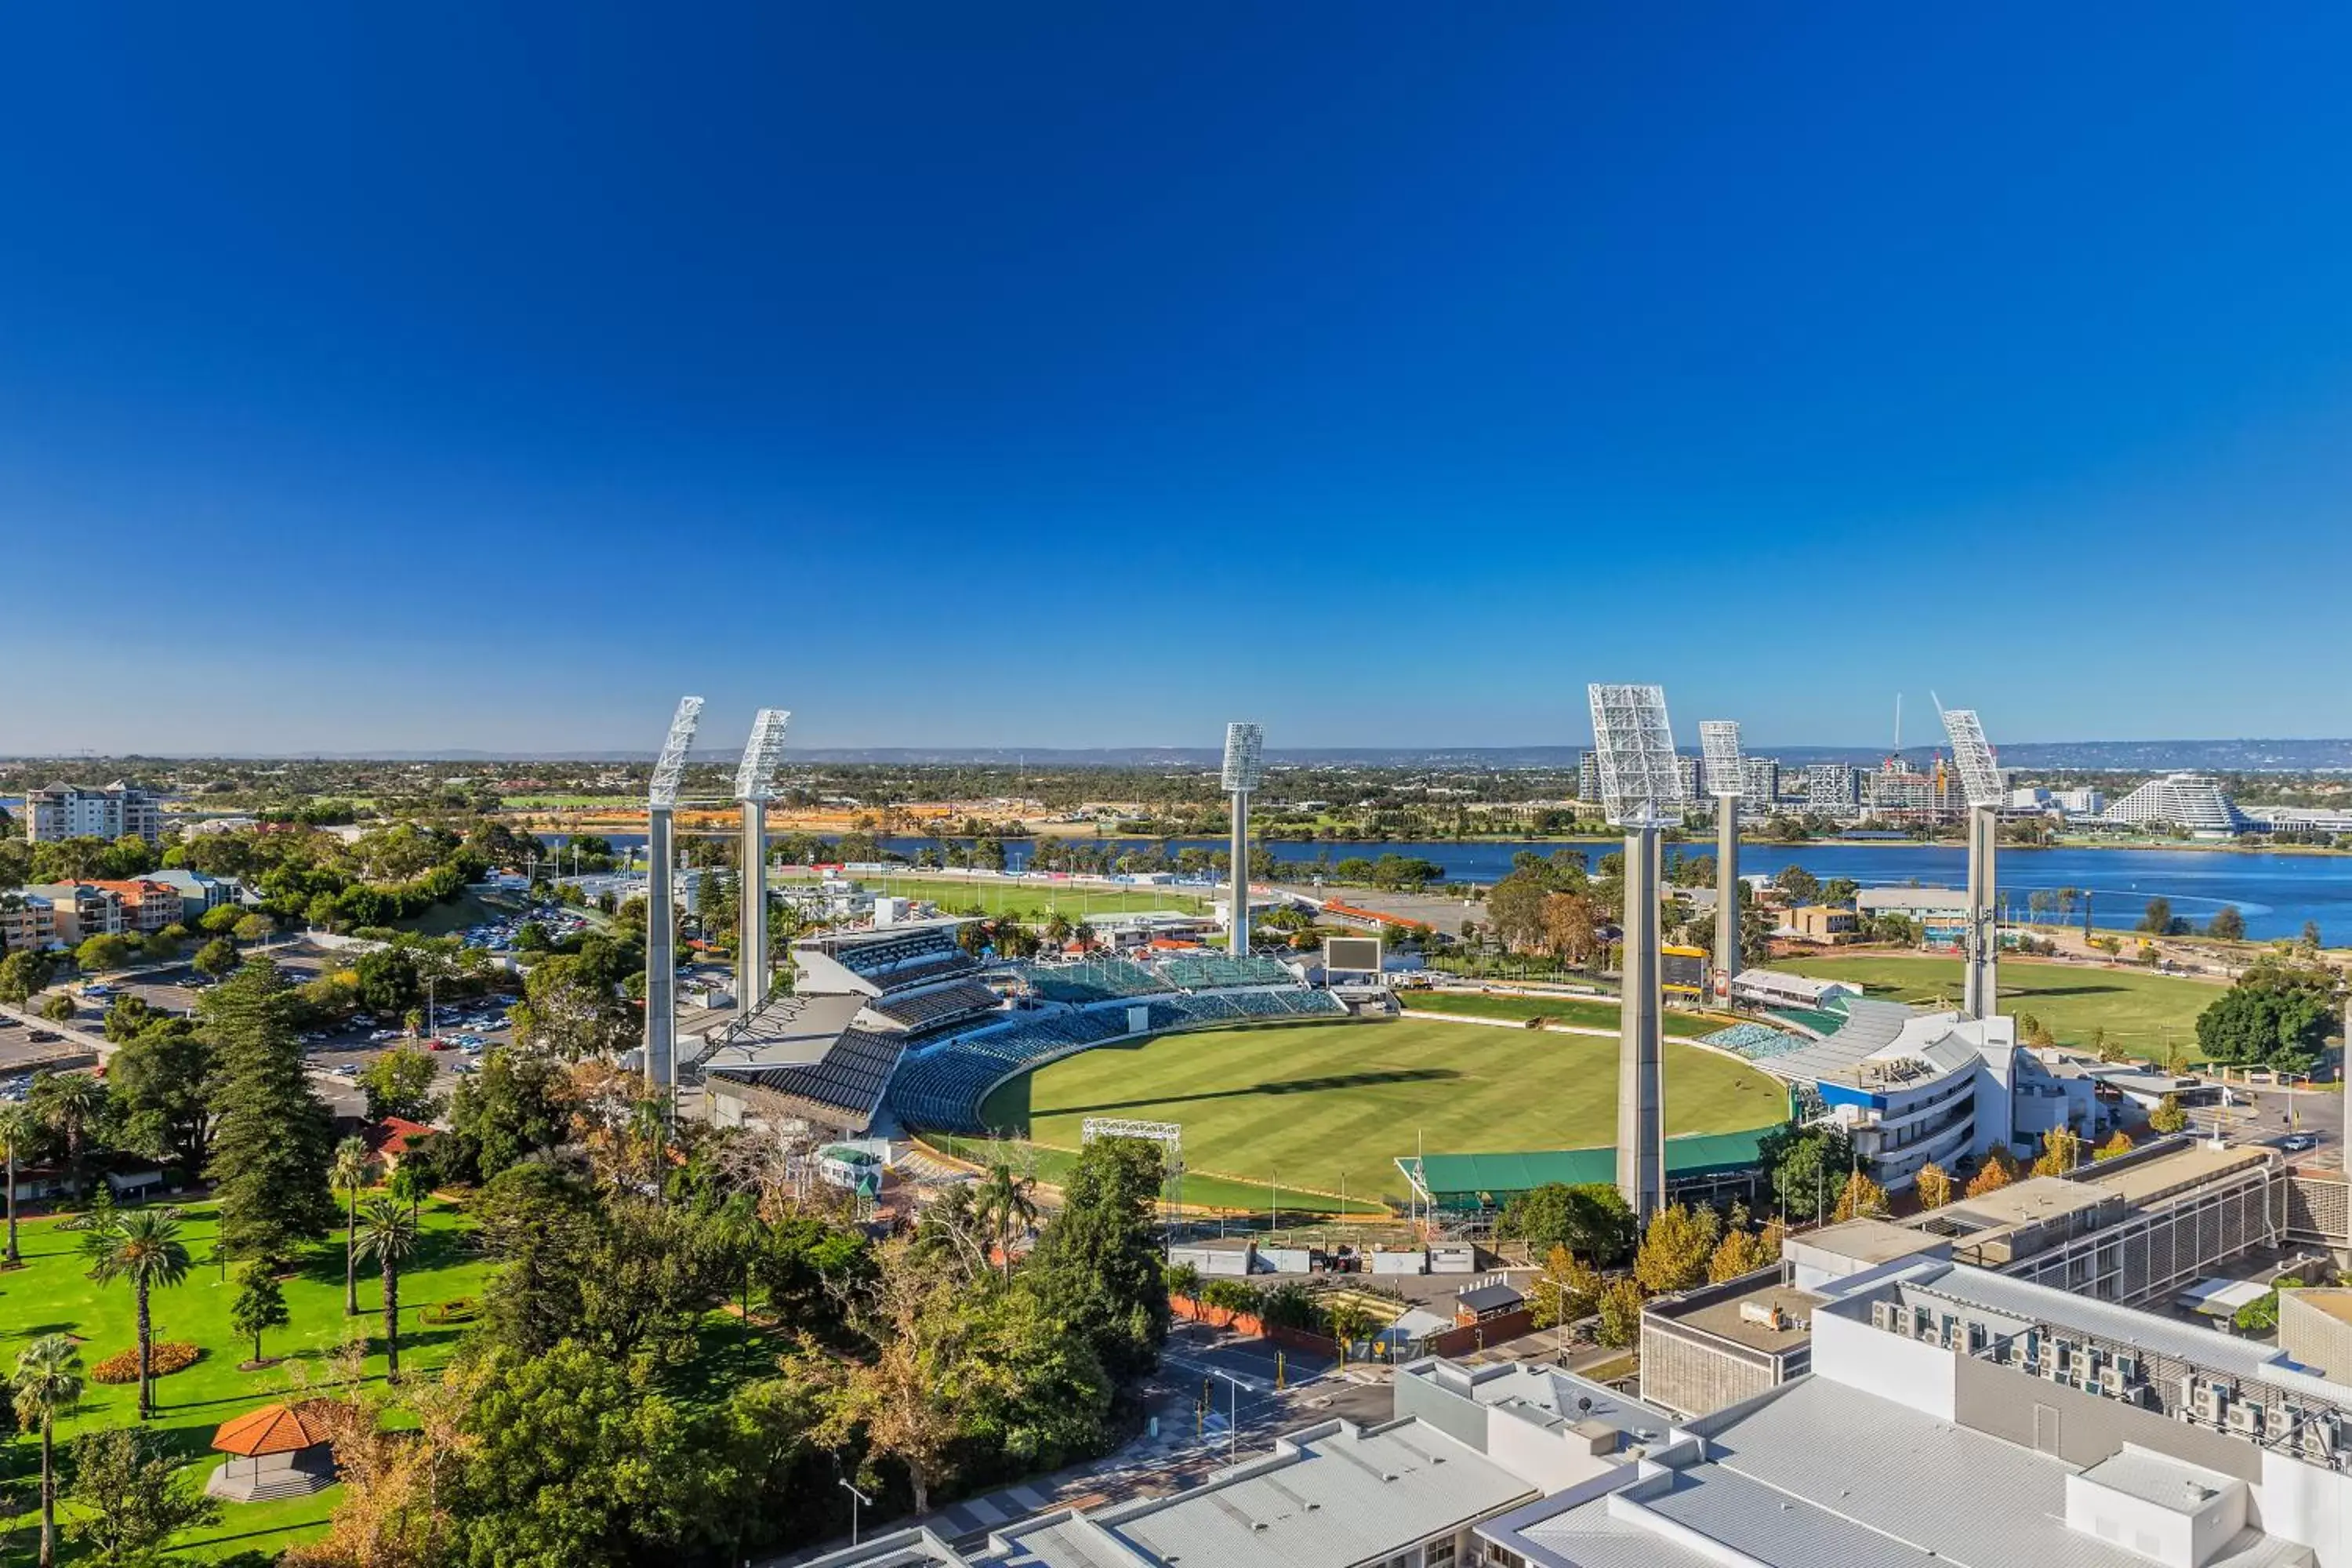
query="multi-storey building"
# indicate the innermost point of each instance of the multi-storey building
(1588, 777)
(148, 906)
(2191, 802)
(1833, 789)
(1762, 787)
(82, 910)
(66, 811)
(28, 922)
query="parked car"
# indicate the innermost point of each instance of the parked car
(2296, 1143)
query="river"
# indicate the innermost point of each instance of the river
(2276, 892)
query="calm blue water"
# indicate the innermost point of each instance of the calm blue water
(2276, 893)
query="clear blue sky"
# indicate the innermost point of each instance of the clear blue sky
(1092, 373)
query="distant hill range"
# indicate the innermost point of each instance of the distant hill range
(2089, 756)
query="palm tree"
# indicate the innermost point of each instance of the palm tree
(349, 1174)
(47, 1384)
(143, 1248)
(388, 1233)
(71, 1104)
(17, 1129)
(1005, 1207)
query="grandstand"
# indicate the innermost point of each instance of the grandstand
(941, 1082)
(1755, 1042)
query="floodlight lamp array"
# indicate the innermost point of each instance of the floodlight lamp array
(761, 755)
(671, 764)
(1972, 757)
(1641, 781)
(1245, 757)
(1718, 741)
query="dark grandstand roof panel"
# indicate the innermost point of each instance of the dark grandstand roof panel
(849, 1079)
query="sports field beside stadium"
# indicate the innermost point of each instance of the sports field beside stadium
(1310, 1104)
(1583, 1012)
(959, 895)
(2144, 1012)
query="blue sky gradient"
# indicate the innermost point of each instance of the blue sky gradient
(1085, 375)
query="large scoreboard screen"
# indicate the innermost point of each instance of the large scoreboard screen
(1682, 971)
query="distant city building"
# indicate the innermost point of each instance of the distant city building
(2192, 802)
(1897, 794)
(1941, 913)
(1832, 789)
(1691, 774)
(2082, 802)
(1588, 777)
(65, 811)
(2300, 819)
(1762, 787)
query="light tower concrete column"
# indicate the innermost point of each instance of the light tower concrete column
(661, 962)
(1727, 890)
(1641, 1090)
(1982, 993)
(1238, 930)
(752, 923)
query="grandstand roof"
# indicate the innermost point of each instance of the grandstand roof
(1439, 1175)
(843, 1090)
(1884, 1033)
(787, 1031)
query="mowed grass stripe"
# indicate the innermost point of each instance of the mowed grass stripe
(1583, 1012)
(1310, 1103)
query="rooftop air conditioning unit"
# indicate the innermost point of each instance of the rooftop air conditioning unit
(2319, 1437)
(2246, 1419)
(1887, 1315)
(2206, 1403)
(2111, 1381)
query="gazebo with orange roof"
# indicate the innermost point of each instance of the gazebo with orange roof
(286, 1450)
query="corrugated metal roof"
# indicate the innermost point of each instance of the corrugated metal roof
(2160, 1335)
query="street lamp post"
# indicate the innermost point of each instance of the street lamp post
(843, 1481)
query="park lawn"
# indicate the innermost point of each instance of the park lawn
(53, 1294)
(1310, 1103)
(1584, 1012)
(1025, 901)
(2145, 1012)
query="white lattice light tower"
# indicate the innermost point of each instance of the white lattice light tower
(755, 786)
(1718, 741)
(1972, 758)
(1641, 786)
(1245, 767)
(661, 908)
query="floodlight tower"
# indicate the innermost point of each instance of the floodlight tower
(1245, 767)
(661, 912)
(753, 786)
(1718, 741)
(1641, 786)
(1980, 779)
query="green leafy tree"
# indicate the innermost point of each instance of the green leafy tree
(1568, 1289)
(23, 974)
(389, 1234)
(261, 1304)
(218, 957)
(1797, 885)
(1098, 1264)
(161, 1083)
(2169, 1116)
(1592, 1220)
(574, 1007)
(46, 1384)
(518, 1104)
(349, 1174)
(134, 1495)
(72, 1108)
(1807, 1167)
(18, 1128)
(142, 1249)
(104, 952)
(1005, 1205)
(1676, 1248)
(273, 1142)
(1620, 1314)
(59, 1009)
(2227, 924)
(400, 1083)
(567, 1464)
(2278, 1014)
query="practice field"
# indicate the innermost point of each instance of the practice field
(2145, 1012)
(1310, 1104)
(53, 1294)
(958, 895)
(1584, 1012)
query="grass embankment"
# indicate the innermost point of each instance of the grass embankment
(2147, 1014)
(53, 1294)
(1308, 1103)
(1585, 1013)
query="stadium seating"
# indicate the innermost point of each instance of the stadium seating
(1092, 980)
(1757, 1042)
(939, 1086)
(889, 960)
(1212, 970)
(927, 1008)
